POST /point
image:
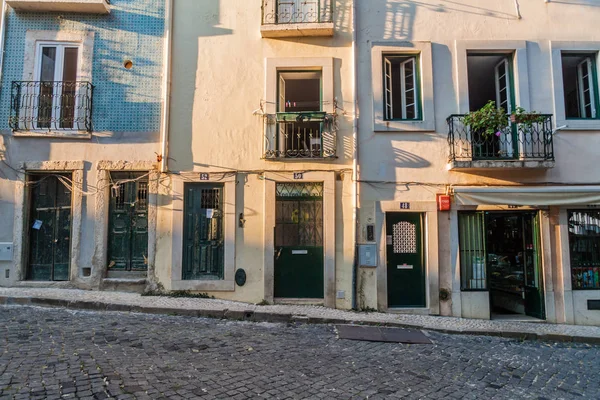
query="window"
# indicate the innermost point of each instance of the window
(584, 246)
(297, 11)
(401, 87)
(580, 85)
(56, 93)
(490, 79)
(299, 91)
(471, 229)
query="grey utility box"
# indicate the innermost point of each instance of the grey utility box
(6, 251)
(367, 255)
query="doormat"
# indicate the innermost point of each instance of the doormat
(380, 334)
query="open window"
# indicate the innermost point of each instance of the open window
(580, 85)
(299, 117)
(401, 87)
(490, 78)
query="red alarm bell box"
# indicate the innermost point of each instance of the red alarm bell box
(443, 202)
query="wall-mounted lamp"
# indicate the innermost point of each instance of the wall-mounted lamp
(242, 221)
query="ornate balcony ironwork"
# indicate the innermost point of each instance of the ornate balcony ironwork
(300, 135)
(297, 11)
(51, 106)
(527, 140)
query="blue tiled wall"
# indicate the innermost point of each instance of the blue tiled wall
(124, 100)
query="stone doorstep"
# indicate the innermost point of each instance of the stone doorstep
(260, 316)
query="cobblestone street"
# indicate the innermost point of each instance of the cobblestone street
(57, 353)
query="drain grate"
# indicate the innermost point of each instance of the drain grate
(379, 334)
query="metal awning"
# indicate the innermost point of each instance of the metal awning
(527, 195)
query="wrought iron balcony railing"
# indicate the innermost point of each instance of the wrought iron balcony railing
(51, 106)
(300, 135)
(297, 11)
(529, 138)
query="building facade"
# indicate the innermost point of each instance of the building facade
(80, 122)
(369, 155)
(258, 203)
(520, 237)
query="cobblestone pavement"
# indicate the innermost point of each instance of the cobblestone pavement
(421, 321)
(59, 353)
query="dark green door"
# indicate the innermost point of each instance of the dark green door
(49, 229)
(299, 241)
(405, 260)
(128, 238)
(203, 248)
(534, 282)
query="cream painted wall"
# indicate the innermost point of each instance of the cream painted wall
(219, 78)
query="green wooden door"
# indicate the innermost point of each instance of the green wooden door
(49, 229)
(405, 251)
(299, 269)
(128, 227)
(534, 282)
(203, 241)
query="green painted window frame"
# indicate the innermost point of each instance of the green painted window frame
(596, 98)
(418, 88)
(471, 239)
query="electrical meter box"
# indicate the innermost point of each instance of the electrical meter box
(6, 251)
(367, 255)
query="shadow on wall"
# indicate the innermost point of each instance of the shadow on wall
(193, 19)
(400, 15)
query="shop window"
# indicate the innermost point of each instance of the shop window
(584, 247)
(471, 229)
(580, 84)
(401, 87)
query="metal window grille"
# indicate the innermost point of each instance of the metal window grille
(472, 251)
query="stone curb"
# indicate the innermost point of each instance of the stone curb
(260, 316)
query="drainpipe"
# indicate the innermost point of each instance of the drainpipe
(2, 33)
(355, 158)
(166, 86)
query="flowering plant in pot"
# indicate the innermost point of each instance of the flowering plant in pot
(488, 121)
(521, 116)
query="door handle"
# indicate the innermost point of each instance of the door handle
(278, 253)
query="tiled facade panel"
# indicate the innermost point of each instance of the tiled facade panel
(125, 100)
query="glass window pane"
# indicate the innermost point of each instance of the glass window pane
(70, 64)
(48, 63)
(584, 246)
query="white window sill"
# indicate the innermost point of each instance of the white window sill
(381, 125)
(323, 29)
(578, 124)
(208, 285)
(54, 134)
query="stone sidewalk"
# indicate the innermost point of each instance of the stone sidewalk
(214, 308)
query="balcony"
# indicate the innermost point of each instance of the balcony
(526, 144)
(75, 6)
(300, 135)
(45, 108)
(296, 18)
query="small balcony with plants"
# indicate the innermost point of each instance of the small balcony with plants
(51, 108)
(491, 138)
(74, 6)
(300, 135)
(296, 18)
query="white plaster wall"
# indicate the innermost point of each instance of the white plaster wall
(583, 316)
(411, 166)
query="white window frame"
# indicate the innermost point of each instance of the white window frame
(389, 91)
(58, 73)
(580, 88)
(426, 120)
(557, 49)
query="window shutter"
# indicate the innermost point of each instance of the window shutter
(503, 89)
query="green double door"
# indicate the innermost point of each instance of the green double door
(49, 229)
(299, 271)
(128, 226)
(406, 268)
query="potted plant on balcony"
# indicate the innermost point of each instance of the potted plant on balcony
(486, 126)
